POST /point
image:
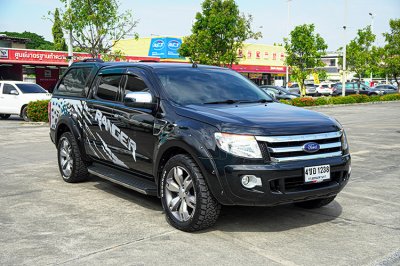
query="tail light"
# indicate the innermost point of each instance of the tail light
(49, 111)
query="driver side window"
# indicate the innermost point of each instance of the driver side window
(135, 83)
(7, 88)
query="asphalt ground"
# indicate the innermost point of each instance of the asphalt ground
(44, 220)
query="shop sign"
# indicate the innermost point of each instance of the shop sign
(39, 56)
(165, 47)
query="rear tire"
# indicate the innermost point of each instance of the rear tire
(24, 114)
(188, 203)
(4, 116)
(317, 203)
(72, 168)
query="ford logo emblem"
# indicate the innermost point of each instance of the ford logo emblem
(311, 147)
(158, 45)
(173, 45)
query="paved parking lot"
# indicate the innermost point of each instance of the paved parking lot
(44, 220)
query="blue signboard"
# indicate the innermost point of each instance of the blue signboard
(165, 47)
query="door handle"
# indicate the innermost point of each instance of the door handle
(118, 116)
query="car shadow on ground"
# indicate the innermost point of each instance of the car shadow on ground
(274, 219)
(149, 202)
(238, 218)
(12, 118)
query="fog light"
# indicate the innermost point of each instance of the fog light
(251, 181)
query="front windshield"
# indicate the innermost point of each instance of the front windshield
(30, 88)
(187, 86)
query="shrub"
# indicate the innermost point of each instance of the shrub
(285, 101)
(37, 111)
(390, 97)
(360, 98)
(343, 100)
(323, 101)
(305, 101)
(374, 98)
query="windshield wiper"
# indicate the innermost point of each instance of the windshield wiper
(226, 101)
(257, 101)
(241, 101)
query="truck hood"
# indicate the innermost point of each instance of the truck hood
(260, 119)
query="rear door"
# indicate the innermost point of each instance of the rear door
(136, 124)
(104, 140)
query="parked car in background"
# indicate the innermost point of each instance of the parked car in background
(353, 88)
(294, 88)
(324, 89)
(385, 89)
(311, 90)
(15, 96)
(279, 93)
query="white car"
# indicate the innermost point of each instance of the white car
(324, 89)
(15, 96)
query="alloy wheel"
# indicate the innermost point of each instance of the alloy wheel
(180, 194)
(66, 160)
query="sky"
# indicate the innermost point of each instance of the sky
(174, 17)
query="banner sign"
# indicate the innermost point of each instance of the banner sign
(165, 47)
(38, 56)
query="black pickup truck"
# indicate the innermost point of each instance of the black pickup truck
(196, 136)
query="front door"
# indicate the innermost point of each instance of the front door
(9, 103)
(137, 124)
(101, 139)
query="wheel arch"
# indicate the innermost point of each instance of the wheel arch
(202, 159)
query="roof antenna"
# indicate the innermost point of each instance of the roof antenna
(194, 65)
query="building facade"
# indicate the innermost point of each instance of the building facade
(264, 64)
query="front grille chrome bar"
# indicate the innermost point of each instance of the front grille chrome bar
(307, 157)
(276, 139)
(300, 148)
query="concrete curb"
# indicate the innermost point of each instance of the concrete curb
(351, 104)
(37, 124)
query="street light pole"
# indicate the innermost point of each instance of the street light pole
(70, 52)
(344, 51)
(372, 31)
(287, 35)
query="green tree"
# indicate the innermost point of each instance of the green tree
(391, 51)
(217, 34)
(97, 24)
(58, 35)
(361, 55)
(304, 49)
(36, 41)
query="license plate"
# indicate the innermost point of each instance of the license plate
(316, 174)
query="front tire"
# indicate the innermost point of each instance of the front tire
(72, 168)
(188, 203)
(317, 203)
(24, 114)
(4, 116)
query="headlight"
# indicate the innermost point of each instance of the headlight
(239, 145)
(345, 145)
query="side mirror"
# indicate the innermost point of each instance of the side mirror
(139, 99)
(14, 92)
(273, 96)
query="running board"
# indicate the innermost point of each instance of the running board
(130, 181)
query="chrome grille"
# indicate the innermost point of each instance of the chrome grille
(290, 148)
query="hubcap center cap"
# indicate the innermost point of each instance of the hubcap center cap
(182, 193)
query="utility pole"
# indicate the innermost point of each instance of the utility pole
(372, 31)
(70, 52)
(344, 51)
(287, 35)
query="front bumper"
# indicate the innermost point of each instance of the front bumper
(283, 183)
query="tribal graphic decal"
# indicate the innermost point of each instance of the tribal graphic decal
(84, 117)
